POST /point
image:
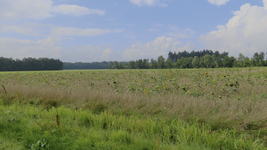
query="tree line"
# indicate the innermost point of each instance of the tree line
(30, 64)
(199, 59)
(92, 65)
(174, 56)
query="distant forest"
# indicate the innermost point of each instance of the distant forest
(92, 65)
(184, 59)
(194, 59)
(30, 64)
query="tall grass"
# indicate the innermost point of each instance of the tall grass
(226, 100)
(82, 129)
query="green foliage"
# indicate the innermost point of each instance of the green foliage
(81, 129)
(112, 124)
(28, 64)
(4, 88)
(40, 145)
(198, 59)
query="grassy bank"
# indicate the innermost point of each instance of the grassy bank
(32, 127)
(224, 103)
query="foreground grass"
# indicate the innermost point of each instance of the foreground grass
(226, 102)
(23, 126)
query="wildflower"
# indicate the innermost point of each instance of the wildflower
(231, 85)
(206, 73)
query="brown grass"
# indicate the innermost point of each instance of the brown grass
(233, 110)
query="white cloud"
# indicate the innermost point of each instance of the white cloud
(40, 9)
(148, 3)
(48, 47)
(162, 5)
(75, 10)
(38, 29)
(161, 46)
(89, 53)
(111, 19)
(218, 2)
(28, 28)
(49, 42)
(245, 32)
(15, 48)
(152, 29)
(181, 33)
(71, 31)
(155, 27)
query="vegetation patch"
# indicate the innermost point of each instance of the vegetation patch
(134, 109)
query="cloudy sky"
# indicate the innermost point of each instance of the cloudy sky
(123, 30)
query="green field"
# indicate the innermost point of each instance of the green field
(184, 109)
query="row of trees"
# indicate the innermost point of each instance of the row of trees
(92, 65)
(30, 64)
(174, 56)
(215, 60)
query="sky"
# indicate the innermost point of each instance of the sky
(124, 30)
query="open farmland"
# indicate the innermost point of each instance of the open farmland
(134, 109)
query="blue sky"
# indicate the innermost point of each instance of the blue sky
(124, 30)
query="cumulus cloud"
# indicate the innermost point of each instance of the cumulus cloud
(245, 32)
(148, 3)
(39, 29)
(89, 53)
(218, 2)
(40, 9)
(28, 28)
(49, 47)
(16, 48)
(75, 10)
(161, 46)
(71, 31)
(179, 33)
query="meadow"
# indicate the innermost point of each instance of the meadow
(134, 109)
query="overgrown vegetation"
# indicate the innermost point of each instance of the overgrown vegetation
(134, 109)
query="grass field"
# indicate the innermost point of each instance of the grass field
(134, 109)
